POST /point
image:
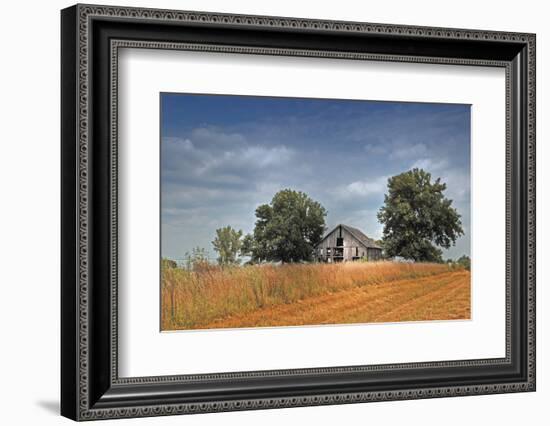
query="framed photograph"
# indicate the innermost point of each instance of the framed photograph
(263, 212)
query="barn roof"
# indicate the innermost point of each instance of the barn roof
(358, 234)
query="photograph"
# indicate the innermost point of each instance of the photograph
(283, 211)
(264, 208)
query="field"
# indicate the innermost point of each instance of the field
(309, 294)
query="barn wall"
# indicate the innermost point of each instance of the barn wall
(350, 242)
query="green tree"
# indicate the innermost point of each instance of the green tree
(464, 261)
(228, 245)
(287, 229)
(418, 218)
(247, 246)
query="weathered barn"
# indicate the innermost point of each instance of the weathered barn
(346, 243)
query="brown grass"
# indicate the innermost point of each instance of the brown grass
(269, 295)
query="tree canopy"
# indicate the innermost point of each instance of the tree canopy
(228, 245)
(464, 261)
(287, 229)
(418, 218)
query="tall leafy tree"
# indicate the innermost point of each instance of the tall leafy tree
(418, 218)
(287, 229)
(228, 245)
(248, 246)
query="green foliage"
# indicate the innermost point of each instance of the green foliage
(464, 261)
(383, 255)
(168, 263)
(287, 229)
(418, 218)
(197, 260)
(228, 245)
(247, 245)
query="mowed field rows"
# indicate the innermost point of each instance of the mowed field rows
(439, 297)
(312, 294)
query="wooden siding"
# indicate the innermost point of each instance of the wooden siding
(352, 248)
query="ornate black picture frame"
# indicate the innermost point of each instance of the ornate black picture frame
(91, 387)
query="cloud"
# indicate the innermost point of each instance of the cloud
(458, 188)
(260, 156)
(364, 188)
(212, 136)
(177, 143)
(409, 151)
(211, 156)
(243, 160)
(430, 164)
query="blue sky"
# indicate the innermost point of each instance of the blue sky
(222, 156)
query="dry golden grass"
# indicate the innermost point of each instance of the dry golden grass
(311, 294)
(440, 297)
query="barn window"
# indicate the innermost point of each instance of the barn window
(339, 241)
(356, 251)
(321, 251)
